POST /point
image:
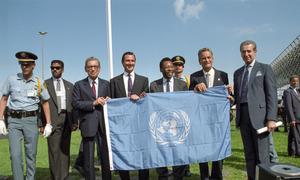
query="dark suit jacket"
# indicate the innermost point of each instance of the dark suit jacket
(262, 94)
(221, 78)
(157, 86)
(90, 117)
(117, 87)
(292, 105)
(53, 102)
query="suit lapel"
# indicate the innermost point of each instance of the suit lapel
(201, 77)
(175, 85)
(160, 87)
(87, 86)
(99, 88)
(239, 76)
(51, 90)
(121, 85)
(67, 91)
(295, 94)
(136, 81)
(217, 78)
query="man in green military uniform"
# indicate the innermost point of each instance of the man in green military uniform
(25, 92)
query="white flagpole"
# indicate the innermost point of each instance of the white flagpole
(109, 37)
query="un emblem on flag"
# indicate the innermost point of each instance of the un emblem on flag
(169, 127)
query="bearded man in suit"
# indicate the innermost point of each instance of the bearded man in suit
(129, 84)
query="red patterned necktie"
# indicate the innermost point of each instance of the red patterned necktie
(94, 88)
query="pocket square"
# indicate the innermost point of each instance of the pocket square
(258, 73)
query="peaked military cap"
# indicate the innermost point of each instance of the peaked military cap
(178, 60)
(24, 56)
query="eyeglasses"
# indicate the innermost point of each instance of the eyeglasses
(25, 63)
(55, 67)
(90, 67)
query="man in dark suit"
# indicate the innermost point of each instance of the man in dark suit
(60, 92)
(130, 84)
(168, 84)
(89, 95)
(200, 81)
(292, 105)
(256, 106)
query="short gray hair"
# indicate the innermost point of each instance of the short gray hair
(248, 42)
(92, 58)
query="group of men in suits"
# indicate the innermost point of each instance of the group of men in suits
(254, 95)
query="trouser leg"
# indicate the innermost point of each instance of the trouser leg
(30, 142)
(15, 137)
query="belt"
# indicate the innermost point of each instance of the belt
(244, 104)
(63, 111)
(21, 114)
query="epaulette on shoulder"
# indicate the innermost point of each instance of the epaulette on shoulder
(39, 86)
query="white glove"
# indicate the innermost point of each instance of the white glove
(3, 128)
(47, 130)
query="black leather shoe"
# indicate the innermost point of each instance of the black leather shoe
(187, 173)
(79, 169)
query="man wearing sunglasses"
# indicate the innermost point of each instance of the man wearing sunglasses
(25, 92)
(60, 92)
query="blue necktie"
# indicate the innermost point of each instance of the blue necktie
(244, 86)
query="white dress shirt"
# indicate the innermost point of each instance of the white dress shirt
(61, 93)
(211, 75)
(171, 83)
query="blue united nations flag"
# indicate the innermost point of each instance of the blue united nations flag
(167, 129)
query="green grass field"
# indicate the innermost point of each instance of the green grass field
(234, 166)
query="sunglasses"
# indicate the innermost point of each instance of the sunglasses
(25, 64)
(55, 67)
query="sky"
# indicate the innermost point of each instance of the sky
(152, 29)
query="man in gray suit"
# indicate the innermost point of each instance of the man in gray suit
(168, 84)
(60, 92)
(292, 105)
(130, 84)
(256, 106)
(200, 81)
